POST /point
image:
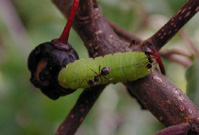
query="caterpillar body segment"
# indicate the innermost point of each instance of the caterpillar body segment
(128, 66)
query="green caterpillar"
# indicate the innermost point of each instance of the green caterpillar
(119, 67)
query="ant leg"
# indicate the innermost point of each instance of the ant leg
(99, 68)
(109, 79)
(133, 42)
(94, 71)
(86, 79)
(90, 76)
(89, 82)
(102, 81)
(83, 81)
(106, 79)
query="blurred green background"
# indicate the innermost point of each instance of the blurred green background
(24, 110)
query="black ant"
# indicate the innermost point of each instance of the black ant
(149, 52)
(102, 73)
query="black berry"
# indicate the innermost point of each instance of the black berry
(45, 63)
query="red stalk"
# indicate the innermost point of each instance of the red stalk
(65, 34)
(159, 60)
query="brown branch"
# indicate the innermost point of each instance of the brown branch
(182, 129)
(79, 111)
(169, 104)
(124, 34)
(175, 52)
(94, 41)
(97, 34)
(177, 56)
(189, 43)
(160, 38)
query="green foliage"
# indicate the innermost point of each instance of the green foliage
(192, 76)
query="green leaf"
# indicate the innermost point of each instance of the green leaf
(192, 76)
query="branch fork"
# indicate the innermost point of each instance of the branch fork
(162, 98)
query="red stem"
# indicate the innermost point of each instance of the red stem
(159, 60)
(156, 55)
(65, 34)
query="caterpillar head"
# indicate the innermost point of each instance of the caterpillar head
(45, 63)
(149, 51)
